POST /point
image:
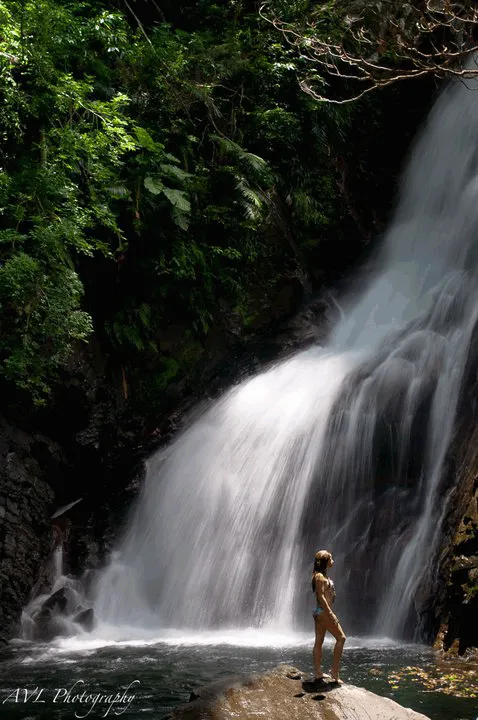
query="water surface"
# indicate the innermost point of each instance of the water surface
(170, 667)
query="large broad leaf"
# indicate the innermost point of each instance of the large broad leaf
(145, 139)
(180, 219)
(178, 199)
(144, 313)
(175, 172)
(154, 185)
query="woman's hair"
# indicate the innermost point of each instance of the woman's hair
(321, 560)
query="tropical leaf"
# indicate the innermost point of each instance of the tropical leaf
(251, 202)
(172, 158)
(144, 139)
(154, 185)
(178, 199)
(249, 161)
(175, 172)
(180, 219)
(144, 312)
(119, 191)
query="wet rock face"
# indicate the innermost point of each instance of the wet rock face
(54, 618)
(454, 606)
(25, 534)
(282, 694)
(459, 630)
(86, 619)
(46, 621)
(76, 446)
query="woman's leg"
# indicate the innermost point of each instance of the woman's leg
(317, 652)
(339, 635)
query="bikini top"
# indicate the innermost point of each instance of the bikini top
(331, 582)
(331, 585)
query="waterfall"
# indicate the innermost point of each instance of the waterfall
(59, 611)
(340, 447)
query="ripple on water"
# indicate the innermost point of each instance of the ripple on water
(169, 671)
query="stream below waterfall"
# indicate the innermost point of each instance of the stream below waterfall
(169, 669)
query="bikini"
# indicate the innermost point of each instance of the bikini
(318, 610)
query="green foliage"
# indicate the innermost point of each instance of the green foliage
(148, 176)
(63, 152)
(40, 320)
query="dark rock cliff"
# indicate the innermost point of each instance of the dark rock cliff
(26, 499)
(453, 597)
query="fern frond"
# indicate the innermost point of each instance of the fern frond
(251, 200)
(248, 161)
(119, 191)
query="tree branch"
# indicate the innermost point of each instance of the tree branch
(380, 43)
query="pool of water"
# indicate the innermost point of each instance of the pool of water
(155, 673)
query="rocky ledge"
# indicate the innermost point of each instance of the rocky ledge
(284, 693)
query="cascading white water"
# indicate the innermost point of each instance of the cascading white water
(339, 447)
(58, 611)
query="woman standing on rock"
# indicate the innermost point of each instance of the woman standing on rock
(324, 617)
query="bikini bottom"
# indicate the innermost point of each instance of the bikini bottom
(318, 610)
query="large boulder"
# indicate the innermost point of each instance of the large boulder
(285, 694)
(86, 618)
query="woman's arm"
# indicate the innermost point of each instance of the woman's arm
(321, 585)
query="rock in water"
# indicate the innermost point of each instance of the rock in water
(85, 618)
(278, 696)
(56, 602)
